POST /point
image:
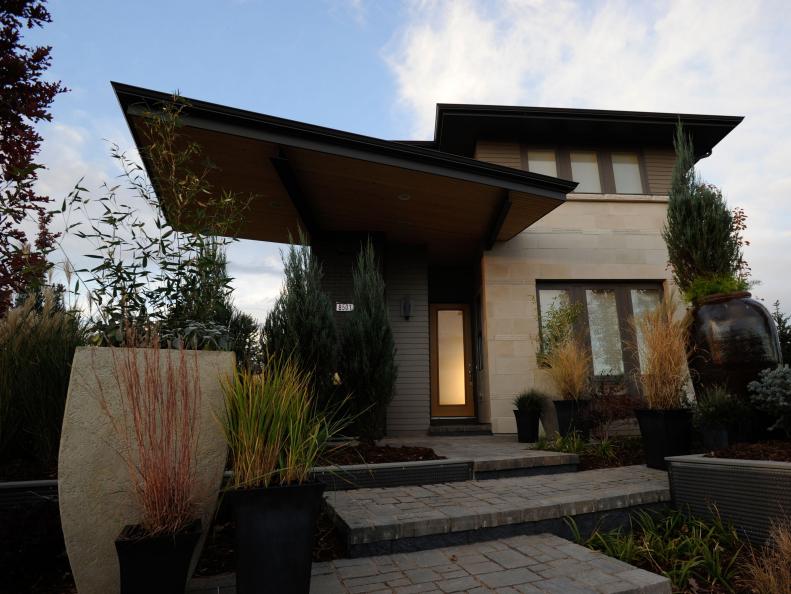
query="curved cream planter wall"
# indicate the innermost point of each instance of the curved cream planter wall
(93, 481)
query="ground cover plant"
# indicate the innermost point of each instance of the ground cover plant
(606, 453)
(697, 555)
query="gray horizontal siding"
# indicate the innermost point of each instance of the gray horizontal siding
(406, 275)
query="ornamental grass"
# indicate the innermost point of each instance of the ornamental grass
(568, 365)
(770, 571)
(157, 423)
(37, 343)
(275, 433)
(662, 350)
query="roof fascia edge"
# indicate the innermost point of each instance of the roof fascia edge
(454, 167)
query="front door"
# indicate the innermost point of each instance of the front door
(451, 361)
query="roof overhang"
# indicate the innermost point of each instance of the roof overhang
(458, 126)
(322, 180)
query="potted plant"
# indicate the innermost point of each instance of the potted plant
(568, 365)
(721, 418)
(732, 336)
(529, 405)
(275, 436)
(157, 426)
(666, 422)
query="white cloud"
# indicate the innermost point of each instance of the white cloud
(680, 56)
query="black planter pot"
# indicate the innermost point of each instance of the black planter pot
(155, 564)
(527, 426)
(275, 530)
(733, 338)
(572, 415)
(665, 433)
(716, 437)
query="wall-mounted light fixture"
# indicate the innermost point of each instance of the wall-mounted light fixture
(406, 307)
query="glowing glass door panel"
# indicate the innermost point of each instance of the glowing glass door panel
(451, 374)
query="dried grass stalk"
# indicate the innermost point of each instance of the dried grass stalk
(568, 365)
(158, 428)
(663, 355)
(771, 570)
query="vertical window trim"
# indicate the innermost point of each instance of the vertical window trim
(623, 301)
(603, 158)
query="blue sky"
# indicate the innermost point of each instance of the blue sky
(378, 67)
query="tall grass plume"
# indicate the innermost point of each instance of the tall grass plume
(157, 424)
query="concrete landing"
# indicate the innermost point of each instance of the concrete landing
(529, 564)
(400, 519)
(492, 456)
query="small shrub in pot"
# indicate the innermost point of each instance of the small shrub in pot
(529, 405)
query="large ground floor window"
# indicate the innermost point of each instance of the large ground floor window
(606, 311)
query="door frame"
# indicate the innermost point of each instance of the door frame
(466, 410)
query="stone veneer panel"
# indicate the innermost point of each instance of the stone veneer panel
(94, 486)
(584, 239)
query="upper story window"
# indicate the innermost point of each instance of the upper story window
(542, 161)
(626, 171)
(585, 171)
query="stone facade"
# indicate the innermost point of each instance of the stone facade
(591, 237)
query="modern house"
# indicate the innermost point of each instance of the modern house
(505, 212)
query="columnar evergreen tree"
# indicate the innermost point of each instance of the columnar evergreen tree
(703, 236)
(783, 322)
(368, 350)
(301, 323)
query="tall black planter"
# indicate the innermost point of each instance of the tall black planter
(275, 530)
(665, 433)
(572, 415)
(733, 338)
(155, 564)
(527, 426)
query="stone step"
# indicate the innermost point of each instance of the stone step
(401, 519)
(492, 456)
(460, 429)
(534, 564)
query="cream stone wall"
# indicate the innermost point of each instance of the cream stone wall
(94, 485)
(590, 237)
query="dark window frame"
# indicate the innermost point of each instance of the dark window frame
(603, 158)
(623, 302)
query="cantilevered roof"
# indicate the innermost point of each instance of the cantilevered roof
(458, 126)
(324, 180)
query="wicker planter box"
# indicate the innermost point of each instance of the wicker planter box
(749, 493)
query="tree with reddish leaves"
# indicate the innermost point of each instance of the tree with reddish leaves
(25, 100)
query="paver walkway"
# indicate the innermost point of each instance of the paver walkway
(527, 564)
(406, 518)
(488, 452)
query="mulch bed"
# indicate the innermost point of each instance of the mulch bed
(777, 450)
(627, 451)
(364, 453)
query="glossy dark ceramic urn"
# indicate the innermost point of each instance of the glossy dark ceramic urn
(733, 338)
